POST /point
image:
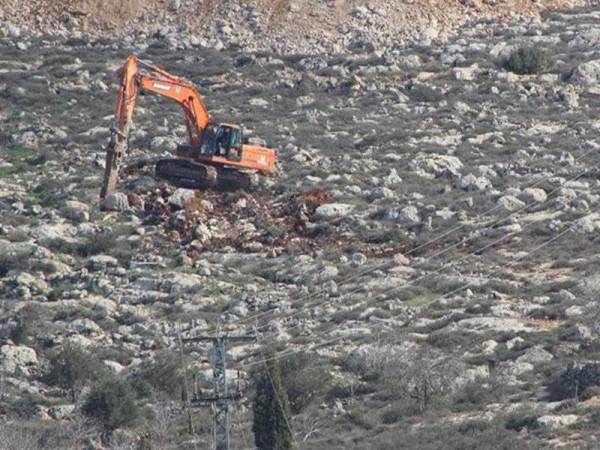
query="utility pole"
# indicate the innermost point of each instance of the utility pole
(221, 395)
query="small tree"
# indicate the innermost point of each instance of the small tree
(164, 374)
(73, 367)
(113, 404)
(529, 60)
(271, 410)
(303, 379)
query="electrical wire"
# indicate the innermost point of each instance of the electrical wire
(429, 242)
(444, 266)
(288, 353)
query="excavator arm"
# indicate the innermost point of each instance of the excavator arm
(161, 83)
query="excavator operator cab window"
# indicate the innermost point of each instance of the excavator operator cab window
(235, 145)
(236, 138)
(229, 143)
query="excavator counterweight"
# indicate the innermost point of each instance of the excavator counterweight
(215, 157)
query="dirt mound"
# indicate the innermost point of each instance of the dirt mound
(306, 26)
(262, 222)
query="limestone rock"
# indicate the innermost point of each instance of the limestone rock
(587, 73)
(181, 197)
(510, 203)
(77, 210)
(472, 183)
(101, 262)
(17, 357)
(85, 327)
(116, 201)
(555, 422)
(437, 165)
(333, 211)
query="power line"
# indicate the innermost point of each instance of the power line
(444, 266)
(330, 341)
(429, 242)
(385, 265)
(285, 354)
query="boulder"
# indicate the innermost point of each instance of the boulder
(116, 201)
(472, 183)
(587, 73)
(466, 73)
(60, 412)
(101, 262)
(437, 165)
(392, 179)
(258, 102)
(586, 38)
(15, 358)
(33, 284)
(86, 327)
(333, 211)
(586, 224)
(54, 232)
(409, 215)
(530, 195)
(502, 324)
(554, 422)
(181, 197)
(163, 144)
(202, 233)
(510, 203)
(114, 366)
(535, 355)
(76, 210)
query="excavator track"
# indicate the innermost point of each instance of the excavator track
(232, 180)
(186, 173)
(190, 174)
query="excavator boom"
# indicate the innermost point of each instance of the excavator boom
(231, 157)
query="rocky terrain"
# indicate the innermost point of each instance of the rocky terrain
(299, 26)
(426, 258)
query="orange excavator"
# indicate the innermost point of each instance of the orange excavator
(216, 156)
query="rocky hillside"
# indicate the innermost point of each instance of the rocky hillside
(300, 26)
(423, 268)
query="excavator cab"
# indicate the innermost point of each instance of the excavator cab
(223, 140)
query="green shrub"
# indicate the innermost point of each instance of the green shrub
(73, 367)
(529, 60)
(518, 422)
(394, 414)
(163, 374)
(26, 324)
(361, 419)
(113, 404)
(574, 381)
(303, 380)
